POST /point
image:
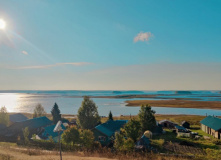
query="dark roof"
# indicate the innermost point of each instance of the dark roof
(212, 122)
(185, 122)
(50, 130)
(32, 123)
(35, 123)
(166, 121)
(110, 127)
(2, 126)
(17, 117)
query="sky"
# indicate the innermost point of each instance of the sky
(110, 45)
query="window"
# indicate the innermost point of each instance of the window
(102, 138)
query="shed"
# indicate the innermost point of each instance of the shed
(186, 124)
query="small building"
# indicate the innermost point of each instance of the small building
(104, 133)
(186, 124)
(34, 125)
(48, 132)
(212, 125)
(18, 117)
(167, 124)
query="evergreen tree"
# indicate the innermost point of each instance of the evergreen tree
(133, 129)
(110, 116)
(56, 113)
(4, 117)
(88, 116)
(39, 111)
(147, 118)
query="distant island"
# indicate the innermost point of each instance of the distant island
(183, 92)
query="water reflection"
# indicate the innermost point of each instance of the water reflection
(21, 102)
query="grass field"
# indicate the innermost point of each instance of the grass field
(177, 103)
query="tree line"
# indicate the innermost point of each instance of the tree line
(88, 117)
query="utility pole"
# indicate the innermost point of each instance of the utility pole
(58, 129)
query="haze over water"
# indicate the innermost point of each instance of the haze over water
(70, 101)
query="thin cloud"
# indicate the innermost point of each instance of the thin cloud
(54, 65)
(75, 63)
(143, 36)
(25, 52)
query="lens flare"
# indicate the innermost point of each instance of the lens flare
(2, 24)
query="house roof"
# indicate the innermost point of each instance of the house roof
(2, 126)
(31, 123)
(110, 127)
(185, 122)
(212, 122)
(17, 117)
(166, 121)
(50, 130)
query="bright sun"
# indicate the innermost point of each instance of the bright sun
(2, 24)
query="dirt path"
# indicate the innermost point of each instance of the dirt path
(11, 153)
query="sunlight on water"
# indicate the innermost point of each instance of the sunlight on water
(26, 102)
(9, 100)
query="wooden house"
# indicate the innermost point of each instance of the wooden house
(104, 133)
(212, 125)
(34, 126)
(48, 132)
(18, 117)
(167, 124)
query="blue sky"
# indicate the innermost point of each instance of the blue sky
(110, 44)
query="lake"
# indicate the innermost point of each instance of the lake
(25, 101)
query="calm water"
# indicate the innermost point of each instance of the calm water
(25, 101)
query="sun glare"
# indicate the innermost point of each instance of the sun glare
(2, 24)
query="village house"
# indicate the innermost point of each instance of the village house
(48, 132)
(212, 125)
(34, 126)
(18, 117)
(167, 124)
(104, 133)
